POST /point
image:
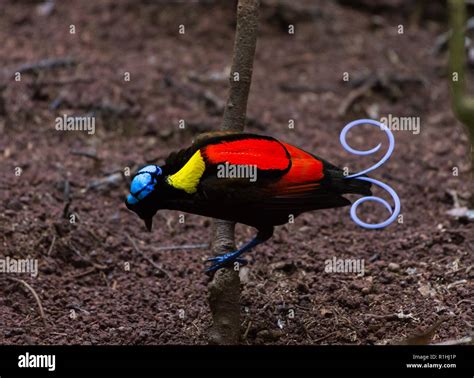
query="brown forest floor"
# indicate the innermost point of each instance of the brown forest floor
(295, 77)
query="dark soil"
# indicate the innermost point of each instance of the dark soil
(418, 273)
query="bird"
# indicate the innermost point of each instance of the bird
(253, 179)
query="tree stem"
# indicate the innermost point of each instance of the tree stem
(463, 103)
(224, 290)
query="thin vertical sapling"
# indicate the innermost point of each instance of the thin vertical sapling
(462, 102)
(224, 290)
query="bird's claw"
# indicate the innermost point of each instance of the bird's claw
(224, 260)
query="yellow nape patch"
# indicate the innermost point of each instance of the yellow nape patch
(187, 178)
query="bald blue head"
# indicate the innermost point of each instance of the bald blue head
(143, 183)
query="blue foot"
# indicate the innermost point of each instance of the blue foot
(225, 260)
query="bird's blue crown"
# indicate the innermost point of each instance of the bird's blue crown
(143, 183)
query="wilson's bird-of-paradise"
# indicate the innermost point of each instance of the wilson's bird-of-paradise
(209, 179)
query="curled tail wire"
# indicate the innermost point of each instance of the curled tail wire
(360, 175)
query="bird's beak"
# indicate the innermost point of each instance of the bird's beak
(148, 223)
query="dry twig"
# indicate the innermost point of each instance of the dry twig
(184, 246)
(46, 64)
(37, 299)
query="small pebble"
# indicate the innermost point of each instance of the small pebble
(393, 267)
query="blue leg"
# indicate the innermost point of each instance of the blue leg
(228, 258)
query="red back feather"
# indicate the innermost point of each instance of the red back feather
(305, 168)
(302, 177)
(265, 154)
